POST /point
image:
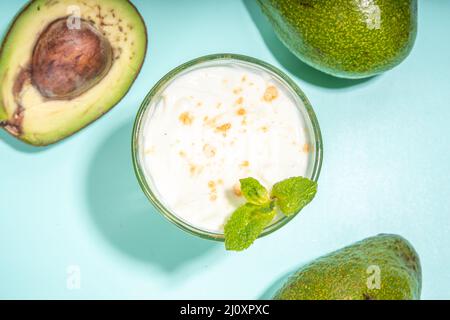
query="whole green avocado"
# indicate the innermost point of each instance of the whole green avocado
(345, 38)
(384, 267)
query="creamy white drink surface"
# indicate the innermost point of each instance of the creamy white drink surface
(213, 126)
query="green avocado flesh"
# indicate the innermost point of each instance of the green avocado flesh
(65, 63)
(384, 267)
(345, 38)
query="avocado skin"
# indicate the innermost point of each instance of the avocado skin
(343, 274)
(336, 37)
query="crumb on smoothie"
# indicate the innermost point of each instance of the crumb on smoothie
(211, 122)
(186, 118)
(240, 100)
(241, 112)
(237, 190)
(237, 91)
(245, 164)
(211, 185)
(270, 94)
(209, 150)
(224, 128)
(213, 190)
(306, 148)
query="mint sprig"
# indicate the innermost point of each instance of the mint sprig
(246, 224)
(248, 221)
(293, 194)
(254, 192)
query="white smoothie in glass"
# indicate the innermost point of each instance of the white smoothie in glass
(215, 124)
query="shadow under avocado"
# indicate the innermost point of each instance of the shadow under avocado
(278, 283)
(126, 218)
(288, 60)
(18, 145)
(275, 286)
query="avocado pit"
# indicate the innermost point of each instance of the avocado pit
(67, 62)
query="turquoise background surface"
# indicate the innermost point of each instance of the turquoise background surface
(77, 205)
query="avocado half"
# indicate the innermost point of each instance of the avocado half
(65, 63)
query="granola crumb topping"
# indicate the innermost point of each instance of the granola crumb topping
(270, 94)
(212, 188)
(245, 164)
(185, 118)
(211, 184)
(209, 150)
(237, 190)
(224, 128)
(306, 148)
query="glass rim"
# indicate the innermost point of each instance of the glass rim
(139, 171)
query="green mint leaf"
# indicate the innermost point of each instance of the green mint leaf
(293, 194)
(254, 192)
(246, 224)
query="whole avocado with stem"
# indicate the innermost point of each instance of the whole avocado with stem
(384, 267)
(345, 38)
